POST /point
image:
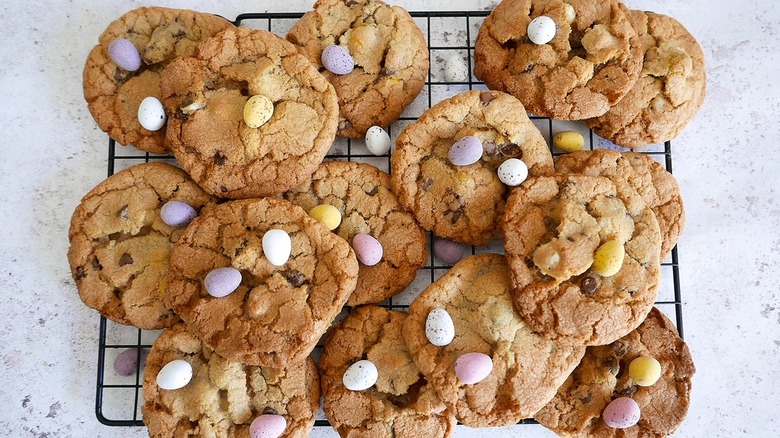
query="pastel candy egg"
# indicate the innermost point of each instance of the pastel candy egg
(367, 249)
(456, 69)
(569, 141)
(257, 111)
(337, 60)
(621, 413)
(609, 258)
(377, 140)
(277, 246)
(467, 150)
(124, 54)
(151, 114)
(644, 370)
(267, 426)
(175, 374)
(177, 213)
(221, 282)
(439, 328)
(541, 30)
(473, 368)
(448, 251)
(127, 362)
(512, 172)
(360, 375)
(327, 215)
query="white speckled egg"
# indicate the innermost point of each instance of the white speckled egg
(456, 69)
(512, 172)
(267, 426)
(277, 246)
(177, 213)
(368, 250)
(377, 140)
(541, 30)
(360, 375)
(124, 54)
(151, 114)
(467, 150)
(221, 282)
(439, 328)
(337, 60)
(473, 368)
(175, 374)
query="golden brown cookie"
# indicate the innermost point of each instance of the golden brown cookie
(160, 35)
(554, 227)
(527, 369)
(603, 376)
(389, 52)
(465, 203)
(669, 92)
(205, 98)
(593, 60)
(361, 193)
(120, 246)
(224, 397)
(278, 313)
(401, 402)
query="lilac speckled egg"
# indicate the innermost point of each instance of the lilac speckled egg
(126, 363)
(467, 150)
(337, 60)
(473, 368)
(449, 251)
(221, 282)
(621, 413)
(439, 328)
(124, 54)
(177, 213)
(267, 426)
(367, 249)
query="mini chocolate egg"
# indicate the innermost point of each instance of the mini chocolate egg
(175, 374)
(127, 362)
(367, 249)
(221, 282)
(257, 111)
(473, 368)
(277, 246)
(124, 54)
(456, 69)
(541, 30)
(569, 141)
(177, 213)
(151, 114)
(267, 426)
(327, 215)
(512, 172)
(377, 140)
(449, 251)
(645, 370)
(621, 413)
(467, 150)
(360, 375)
(439, 328)
(337, 60)
(608, 258)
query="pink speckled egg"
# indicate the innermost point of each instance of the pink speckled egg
(473, 368)
(621, 413)
(367, 249)
(267, 426)
(124, 54)
(449, 251)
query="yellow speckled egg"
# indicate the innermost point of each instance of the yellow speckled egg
(569, 141)
(257, 111)
(609, 258)
(644, 370)
(327, 215)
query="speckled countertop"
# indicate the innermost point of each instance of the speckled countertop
(725, 161)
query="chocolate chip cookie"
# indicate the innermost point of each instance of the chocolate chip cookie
(592, 61)
(224, 397)
(465, 203)
(603, 376)
(277, 313)
(389, 52)
(114, 94)
(527, 369)
(120, 246)
(205, 98)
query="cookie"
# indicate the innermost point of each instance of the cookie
(658, 188)
(527, 369)
(224, 397)
(389, 52)
(401, 402)
(114, 94)
(555, 228)
(464, 203)
(670, 89)
(603, 376)
(277, 313)
(361, 193)
(120, 246)
(205, 97)
(592, 61)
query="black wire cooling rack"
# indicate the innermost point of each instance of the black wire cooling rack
(119, 398)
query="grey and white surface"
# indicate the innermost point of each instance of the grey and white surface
(725, 161)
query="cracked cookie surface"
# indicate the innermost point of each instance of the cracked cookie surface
(670, 89)
(527, 369)
(120, 247)
(401, 403)
(465, 203)
(603, 375)
(205, 96)
(114, 94)
(390, 54)
(591, 63)
(553, 226)
(278, 313)
(224, 397)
